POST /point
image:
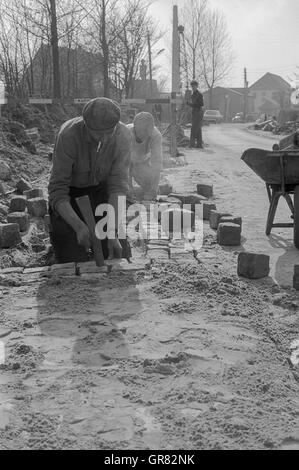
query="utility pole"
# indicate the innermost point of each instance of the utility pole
(245, 94)
(55, 51)
(183, 51)
(150, 63)
(105, 49)
(176, 82)
(175, 52)
(226, 109)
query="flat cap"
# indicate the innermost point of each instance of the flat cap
(101, 114)
(194, 82)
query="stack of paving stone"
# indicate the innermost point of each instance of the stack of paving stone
(228, 226)
(28, 202)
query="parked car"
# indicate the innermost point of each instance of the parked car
(213, 115)
(239, 117)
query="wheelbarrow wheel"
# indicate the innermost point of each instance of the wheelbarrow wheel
(296, 217)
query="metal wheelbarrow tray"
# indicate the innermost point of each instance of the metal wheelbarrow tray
(279, 169)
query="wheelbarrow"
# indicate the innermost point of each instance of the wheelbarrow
(279, 169)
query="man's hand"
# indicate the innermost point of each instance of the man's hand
(84, 236)
(114, 249)
(66, 211)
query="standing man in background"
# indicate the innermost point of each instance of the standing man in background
(196, 104)
(146, 155)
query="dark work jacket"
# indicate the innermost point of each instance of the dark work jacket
(197, 105)
(79, 162)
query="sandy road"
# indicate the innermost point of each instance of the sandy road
(184, 355)
(238, 190)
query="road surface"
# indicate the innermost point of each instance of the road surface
(239, 191)
(184, 355)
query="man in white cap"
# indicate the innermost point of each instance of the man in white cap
(91, 157)
(146, 155)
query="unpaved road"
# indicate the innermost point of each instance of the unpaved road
(182, 356)
(238, 190)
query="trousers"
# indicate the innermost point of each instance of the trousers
(196, 130)
(64, 238)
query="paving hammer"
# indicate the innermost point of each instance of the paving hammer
(87, 213)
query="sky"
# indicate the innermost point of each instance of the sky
(264, 33)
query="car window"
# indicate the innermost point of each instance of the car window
(212, 113)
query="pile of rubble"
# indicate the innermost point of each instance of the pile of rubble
(15, 132)
(288, 128)
(271, 125)
(182, 139)
(47, 119)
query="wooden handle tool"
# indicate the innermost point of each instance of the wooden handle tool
(87, 213)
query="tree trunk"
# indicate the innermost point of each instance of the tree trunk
(211, 98)
(150, 63)
(105, 51)
(69, 72)
(55, 52)
(193, 65)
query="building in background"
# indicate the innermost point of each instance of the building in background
(144, 87)
(230, 101)
(80, 72)
(271, 94)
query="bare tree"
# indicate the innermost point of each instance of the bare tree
(135, 42)
(215, 51)
(16, 49)
(103, 21)
(43, 41)
(55, 49)
(193, 16)
(44, 23)
(27, 23)
(209, 55)
(119, 30)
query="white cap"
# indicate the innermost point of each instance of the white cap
(144, 125)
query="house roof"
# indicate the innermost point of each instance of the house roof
(45, 50)
(270, 81)
(235, 91)
(220, 88)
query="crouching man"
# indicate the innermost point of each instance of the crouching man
(146, 155)
(91, 157)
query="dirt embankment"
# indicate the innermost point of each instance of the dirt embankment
(23, 155)
(26, 157)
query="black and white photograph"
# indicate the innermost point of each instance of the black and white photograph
(149, 228)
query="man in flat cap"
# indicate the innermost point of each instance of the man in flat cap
(146, 155)
(196, 104)
(91, 157)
